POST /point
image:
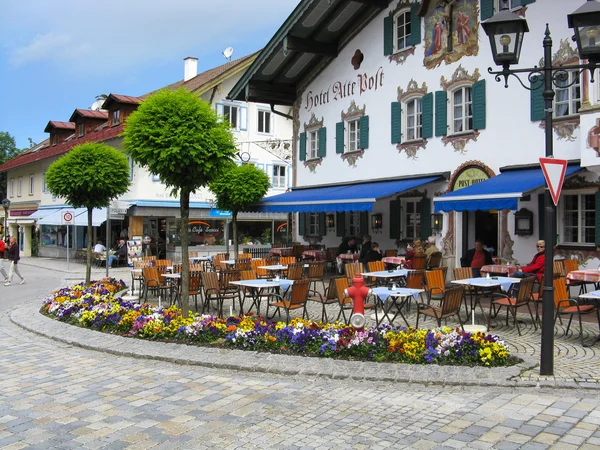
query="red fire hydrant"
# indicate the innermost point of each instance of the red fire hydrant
(358, 292)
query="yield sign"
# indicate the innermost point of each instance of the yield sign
(554, 173)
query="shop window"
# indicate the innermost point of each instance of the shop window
(579, 218)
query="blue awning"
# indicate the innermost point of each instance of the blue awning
(500, 192)
(356, 197)
(41, 213)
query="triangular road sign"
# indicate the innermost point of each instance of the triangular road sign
(554, 173)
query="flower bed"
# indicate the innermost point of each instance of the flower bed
(96, 307)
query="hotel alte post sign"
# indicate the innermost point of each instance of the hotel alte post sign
(468, 177)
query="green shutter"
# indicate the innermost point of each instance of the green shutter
(302, 224)
(322, 151)
(441, 113)
(340, 224)
(526, 2)
(487, 9)
(478, 91)
(541, 227)
(394, 219)
(364, 223)
(322, 224)
(388, 35)
(339, 137)
(396, 123)
(537, 100)
(427, 115)
(425, 218)
(597, 213)
(415, 24)
(364, 132)
(302, 146)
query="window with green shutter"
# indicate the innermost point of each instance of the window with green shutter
(339, 137)
(395, 219)
(364, 223)
(322, 224)
(322, 142)
(302, 146)
(427, 114)
(537, 100)
(302, 224)
(415, 24)
(441, 113)
(479, 105)
(364, 132)
(396, 125)
(388, 35)
(486, 9)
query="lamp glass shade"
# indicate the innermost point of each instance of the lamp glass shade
(505, 31)
(376, 221)
(585, 22)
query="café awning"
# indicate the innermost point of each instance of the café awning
(500, 192)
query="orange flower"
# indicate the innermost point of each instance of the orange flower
(231, 328)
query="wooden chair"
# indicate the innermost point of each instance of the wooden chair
(537, 297)
(271, 261)
(376, 266)
(435, 285)
(287, 260)
(352, 269)
(415, 279)
(149, 258)
(243, 264)
(295, 271)
(297, 299)
(345, 303)
(449, 306)
(522, 298)
(245, 256)
(558, 268)
(316, 272)
(464, 273)
(162, 264)
(195, 286)
(192, 254)
(153, 282)
(391, 252)
(177, 268)
(330, 258)
(216, 290)
(565, 305)
(216, 261)
(434, 260)
(418, 262)
(330, 296)
(571, 265)
(256, 263)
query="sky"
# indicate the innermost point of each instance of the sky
(58, 55)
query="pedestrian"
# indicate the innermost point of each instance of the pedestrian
(2, 250)
(13, 256)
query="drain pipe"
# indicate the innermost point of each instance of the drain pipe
(279, 113)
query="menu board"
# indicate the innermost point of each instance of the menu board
(134, 250)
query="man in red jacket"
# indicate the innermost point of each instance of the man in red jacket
(2, 250)
(536, 267)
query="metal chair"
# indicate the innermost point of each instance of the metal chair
(571, 265)
(434, 260)
(330, 296)
(522, 298)
(316, 272)
(565, 305)
(153, 282)
(449, 306)
(295, 271)
(297, 299)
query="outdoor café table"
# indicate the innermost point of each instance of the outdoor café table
(200, 258)
(399, 298)
(281, 251)
(315, 255)
(397, 260)
(257, 286)
(387, 274)
(176, 277)
(593, 297)
(499, 269)
(587, 276)
(484, 284)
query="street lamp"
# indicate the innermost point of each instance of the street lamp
(505, 30)
(5, 205)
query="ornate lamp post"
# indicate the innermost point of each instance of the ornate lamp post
(505, 30)
(6, 206)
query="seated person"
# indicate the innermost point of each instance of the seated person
(99, 247)
(365, 248)
(536, 267)
(430, 249)
(374, 254)
(120, 253)
(476, 258)
(348, 245)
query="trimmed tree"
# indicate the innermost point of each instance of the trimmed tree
(179, 137)
(89, 176)
(239, 188)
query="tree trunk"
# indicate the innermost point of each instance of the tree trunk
(88, 264)
(185, 260)
(235, 234)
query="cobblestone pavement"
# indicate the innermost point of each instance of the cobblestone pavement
(57, 395)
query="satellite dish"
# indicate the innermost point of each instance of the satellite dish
(227, 53)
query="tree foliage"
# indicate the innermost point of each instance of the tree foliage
(8, 150)
(178, 137)
(89, 176)
(238, 188)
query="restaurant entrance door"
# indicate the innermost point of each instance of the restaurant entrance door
(480, 225)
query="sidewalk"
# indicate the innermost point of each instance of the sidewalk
(574, 365)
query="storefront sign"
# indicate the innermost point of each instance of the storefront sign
(469, 177)
(22, 213)
(347, 88)
(219, 213)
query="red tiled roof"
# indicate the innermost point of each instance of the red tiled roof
(102, 115)
(203, 78)
(59, 125)
(101, 134)
(121, 99)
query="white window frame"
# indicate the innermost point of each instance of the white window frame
(572, 102)
(313, 224)
(279, 181)
(464, 110)
(264, 112)
(411, 220)
(31, 184)
(352, 135)
(116, 117)
(417, 127)
(580, 225)
(511, 5)
(44, 189)
(12, 187)
(80, 129)
(231, 106)
(19, 186)
(353, 223)
(312, 143)
(404, 14)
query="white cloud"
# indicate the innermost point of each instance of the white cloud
(80, 36)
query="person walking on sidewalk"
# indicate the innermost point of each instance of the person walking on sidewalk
(13, 256)
(2, 250)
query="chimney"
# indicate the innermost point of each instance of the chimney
(190, 68)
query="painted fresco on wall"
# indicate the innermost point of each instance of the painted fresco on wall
(458, 19)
